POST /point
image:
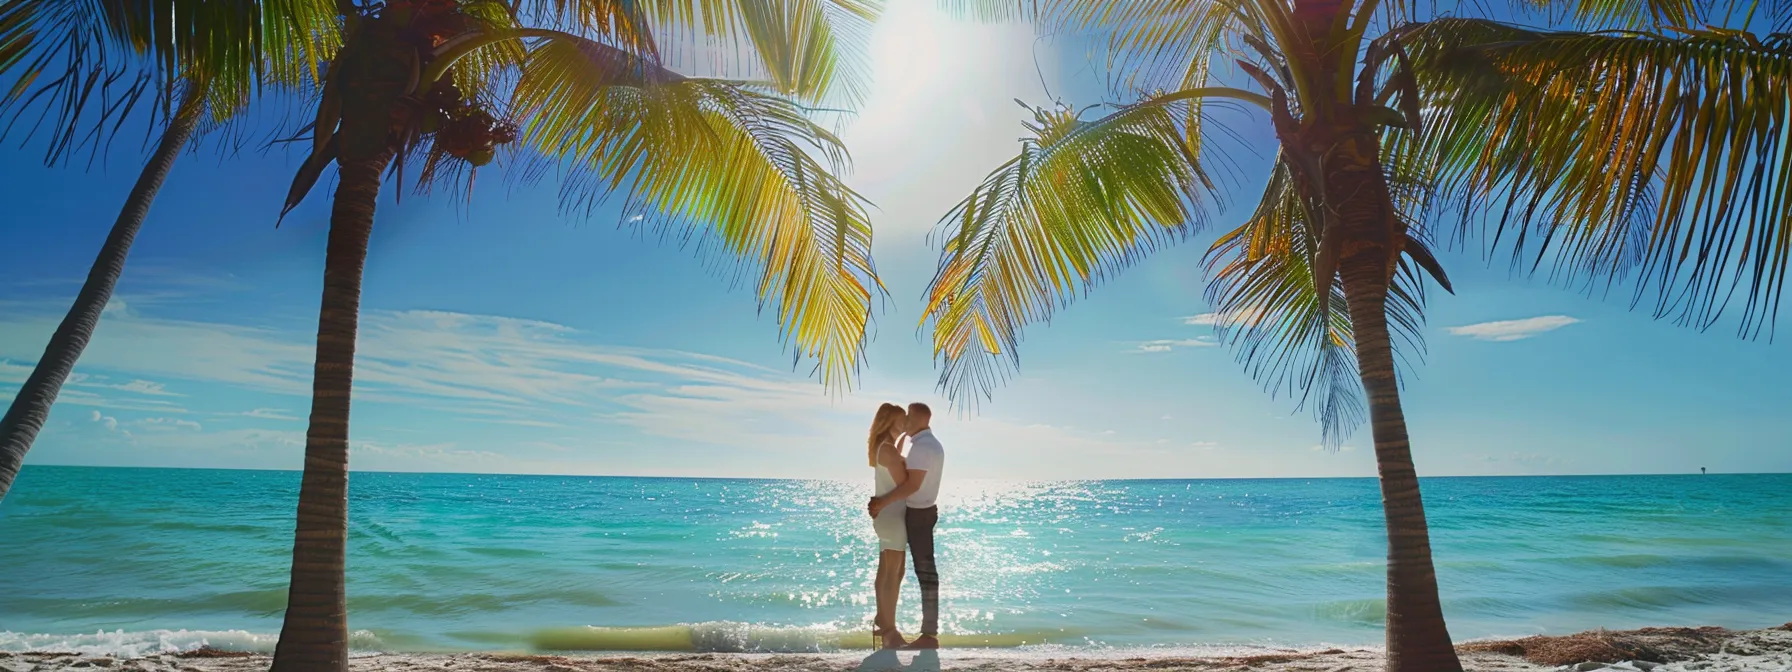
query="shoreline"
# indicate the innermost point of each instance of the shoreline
(856, 478)
(1672, 649)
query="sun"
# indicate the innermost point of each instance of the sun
(905, 53)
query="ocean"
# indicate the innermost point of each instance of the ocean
(128, 561)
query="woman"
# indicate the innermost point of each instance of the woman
(892, 532)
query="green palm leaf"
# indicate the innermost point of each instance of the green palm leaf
(1082, 200)
(812, 50)
(1587, 133)
(1161, 43)
(1628, 13)
(990, 10)
(721, 161)
(1267, 307)
(79, 68)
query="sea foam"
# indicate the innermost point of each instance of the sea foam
(129, 643)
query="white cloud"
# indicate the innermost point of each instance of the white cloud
(520, 423)
(75, 396)
(576, 406)
(1166, 345)
(1513, 330)
(250, 357)
(143, 387)
(469, 363)
(167, 424)
(269, 414)
(1220, 319)
(13, 374)
(477, 368)
(77, 390)
(110, 423)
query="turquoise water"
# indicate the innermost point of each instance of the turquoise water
(125, 560)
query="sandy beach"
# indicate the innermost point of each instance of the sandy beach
(1646, 650)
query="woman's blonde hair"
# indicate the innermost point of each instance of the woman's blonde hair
(881, 424)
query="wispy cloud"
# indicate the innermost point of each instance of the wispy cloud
(478, 368)
(1166, 345)
(143, 387)
(167, 424)
(252, 357)
(12, 373)
(109, 422)
(269, 414)
(502, 367)
(426, 380)
(1513, 330)
(73, 395)
(1220, 319)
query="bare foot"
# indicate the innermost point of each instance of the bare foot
(893, 639)
(923, 642)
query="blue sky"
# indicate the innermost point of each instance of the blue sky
(499, 336)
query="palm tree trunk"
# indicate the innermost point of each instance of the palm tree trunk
(314, 636)
(31, 407)
(1417, 638)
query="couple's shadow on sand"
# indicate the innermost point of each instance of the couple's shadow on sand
(885, 660)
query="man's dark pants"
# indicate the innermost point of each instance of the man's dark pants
(920, 523)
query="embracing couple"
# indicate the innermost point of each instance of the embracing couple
(903, 514)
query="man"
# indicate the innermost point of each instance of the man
(926, 459)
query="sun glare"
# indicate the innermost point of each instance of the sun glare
(905, 52)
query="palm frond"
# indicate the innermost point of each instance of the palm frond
(1266, 305)
(812, 50)
(19, 28)
(70, 74)
(990, 10)
(1161, 43)
(626, 25)
(745, 172)
(298, 36)
(81, 68)
(1635, 14)
(487, 72)
(803, 53)
(1083, 200)
(1585, 133)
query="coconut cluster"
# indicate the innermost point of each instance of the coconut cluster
(462, 127)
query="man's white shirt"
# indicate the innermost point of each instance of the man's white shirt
(926, 454)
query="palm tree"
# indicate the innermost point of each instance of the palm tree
(737, 162)
(205, 68)
(1636, 144)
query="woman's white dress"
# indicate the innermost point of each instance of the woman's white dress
(891, 523)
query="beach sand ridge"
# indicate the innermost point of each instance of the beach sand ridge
(1645, 650)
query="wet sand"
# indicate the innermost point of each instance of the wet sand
(1646, 650)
